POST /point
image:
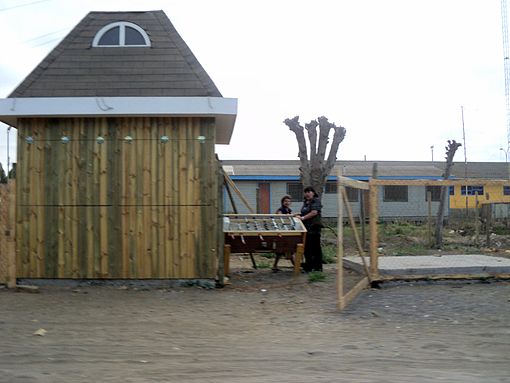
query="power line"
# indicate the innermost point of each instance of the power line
(22, 5)
(46, 42)
(45, 35)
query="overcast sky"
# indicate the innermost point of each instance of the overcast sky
(394, 73)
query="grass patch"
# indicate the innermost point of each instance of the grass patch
(390, 229)
(263, 264)
(316, 276)
(329, 253)
(501, 230)
(416, 249)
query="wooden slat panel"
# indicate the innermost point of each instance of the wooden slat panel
(117, 210)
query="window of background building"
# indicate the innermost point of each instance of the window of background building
(435, 192)
(352, 194)
(295, 190)
(331, 187)
(393, 193)
(471, 190)
(506, 190)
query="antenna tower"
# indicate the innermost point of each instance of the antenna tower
(506, 56)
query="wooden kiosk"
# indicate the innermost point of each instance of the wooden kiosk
(252, 233)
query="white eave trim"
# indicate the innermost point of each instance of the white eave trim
(223, 109)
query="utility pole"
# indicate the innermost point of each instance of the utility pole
(506, 61)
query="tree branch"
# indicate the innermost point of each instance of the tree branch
(298, 130)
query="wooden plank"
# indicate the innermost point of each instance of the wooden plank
(104, 169)
(298, 257)
(101, 263)
(11, 240)
(219, 248)
(340, 245)
(355, 291)
(361, 252)
(183, 198)
(495, 201)
(146, 231)
(93, 197)
(158, 196)
(39, 199)
(54, 218)
(32, 202)
(226, 260)
(349, 182)
(24, 151)
(76, 220)
(233, 186)
(373, 218)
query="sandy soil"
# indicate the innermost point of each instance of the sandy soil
(263, 327)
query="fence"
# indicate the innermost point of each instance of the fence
(474, 241)
(7, 239)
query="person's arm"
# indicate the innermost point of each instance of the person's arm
(309, 215)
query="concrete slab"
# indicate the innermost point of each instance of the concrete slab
(436, 265)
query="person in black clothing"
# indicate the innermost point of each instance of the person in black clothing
(285, 205)
(311, 217)
(283, 209)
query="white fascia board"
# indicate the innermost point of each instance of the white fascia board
(223, 109)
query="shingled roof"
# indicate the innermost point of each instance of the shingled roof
(77, 69)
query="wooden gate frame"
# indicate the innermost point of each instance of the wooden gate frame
(372, 274)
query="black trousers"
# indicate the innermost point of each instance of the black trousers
(313, 252)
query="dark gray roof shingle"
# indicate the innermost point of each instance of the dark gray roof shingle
(76, 69)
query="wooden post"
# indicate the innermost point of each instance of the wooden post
(361, 194)
(488, 222)
(11, 239)
(340, 247)
(373, 214)
(220, 236)
(300, 250)
(355, 231)
(429, 217)
(226, 260)
(477, 222)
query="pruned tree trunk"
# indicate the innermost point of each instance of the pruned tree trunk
(314, 166)
(450, 153)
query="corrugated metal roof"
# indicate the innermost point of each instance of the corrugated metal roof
(76, 69)
(411, 169)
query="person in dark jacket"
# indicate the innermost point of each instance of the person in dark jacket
(311, 217)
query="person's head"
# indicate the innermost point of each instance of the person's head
(310, 192)
(286, 200)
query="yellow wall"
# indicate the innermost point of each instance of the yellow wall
(493, 193)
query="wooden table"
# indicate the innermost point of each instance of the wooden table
(253, 233)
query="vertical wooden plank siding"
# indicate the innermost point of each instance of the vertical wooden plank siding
(140, 208)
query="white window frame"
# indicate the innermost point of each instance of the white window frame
(122, 35)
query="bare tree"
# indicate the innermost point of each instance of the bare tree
(450, 153)
(315, 168)
(3, 176)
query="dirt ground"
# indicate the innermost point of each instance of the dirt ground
(263, 327)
